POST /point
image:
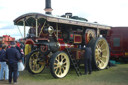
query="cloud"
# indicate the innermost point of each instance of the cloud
(13, 31)
(7, 27)
(109, 12)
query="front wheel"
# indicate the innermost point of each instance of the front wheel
(35, 62)
(59, 64)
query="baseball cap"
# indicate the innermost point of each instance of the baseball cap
(13, 43)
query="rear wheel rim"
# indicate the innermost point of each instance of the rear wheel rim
(102, 53)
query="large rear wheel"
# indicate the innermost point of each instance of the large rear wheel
(59, 64)
(100, 52)
(35, 62)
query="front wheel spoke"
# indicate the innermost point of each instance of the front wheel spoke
(55, 67)
(60, 71)
(62, 59)
(64, 63)
(56, 70)
(56, 64)
(63, 69)
(38, 66)
(33, 67)
(57, 59)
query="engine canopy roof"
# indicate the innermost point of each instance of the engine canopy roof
(30, 19)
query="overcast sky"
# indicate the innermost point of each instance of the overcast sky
(108, 12)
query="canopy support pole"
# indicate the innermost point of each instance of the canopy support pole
(57, 30)
(98, 32)
(36, 27)
(24, 29)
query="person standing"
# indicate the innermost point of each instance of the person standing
(0, 47)
(4, 66)
(0, 61)
(13, 57)
(19, 49)
(88, 59)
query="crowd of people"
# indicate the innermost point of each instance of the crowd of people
(9, 57)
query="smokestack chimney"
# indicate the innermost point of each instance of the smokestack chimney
(48, 9)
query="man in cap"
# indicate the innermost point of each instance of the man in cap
(13, 57)
(88, 59)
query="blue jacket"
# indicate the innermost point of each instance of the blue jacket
(12, 55)
(2, 54)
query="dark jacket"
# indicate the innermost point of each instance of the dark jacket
(88, 53)
(19, 49)
(2, 54)
(12, 55)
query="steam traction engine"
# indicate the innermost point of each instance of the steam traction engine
(53, 40)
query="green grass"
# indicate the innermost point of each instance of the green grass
(117, 75)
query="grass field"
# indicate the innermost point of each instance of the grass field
(117, 75)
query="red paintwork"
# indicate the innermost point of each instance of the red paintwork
(64, 45)
(29, 41)
(122, 34)
(77, 39)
